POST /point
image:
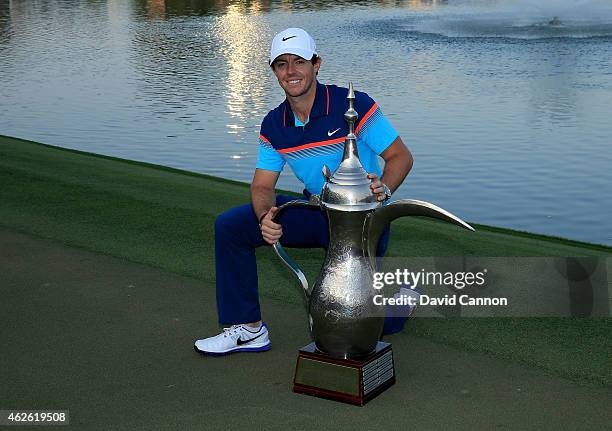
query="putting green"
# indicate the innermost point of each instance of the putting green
(111, 341)
(101, 314)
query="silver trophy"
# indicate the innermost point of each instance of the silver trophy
(345, 322)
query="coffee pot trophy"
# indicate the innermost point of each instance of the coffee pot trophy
(346, 361)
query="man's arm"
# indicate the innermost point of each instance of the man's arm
(263, 196)
(263, 199)
(398, 162)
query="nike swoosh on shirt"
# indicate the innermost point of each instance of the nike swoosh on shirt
(241, 342)
(287, 38)
(331, 133)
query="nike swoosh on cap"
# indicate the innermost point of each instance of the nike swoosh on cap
(287, 38)
(240, 342)
(331, 133)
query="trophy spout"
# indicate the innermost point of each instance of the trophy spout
(381, 217)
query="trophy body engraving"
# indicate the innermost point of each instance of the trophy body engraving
(346, 321)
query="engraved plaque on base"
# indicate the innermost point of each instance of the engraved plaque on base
(354, 381)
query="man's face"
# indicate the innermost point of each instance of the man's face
(295, 75)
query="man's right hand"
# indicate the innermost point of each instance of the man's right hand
(270, 231)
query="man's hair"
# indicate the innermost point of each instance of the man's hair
(315, 58)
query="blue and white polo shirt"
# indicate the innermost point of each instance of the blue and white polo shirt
(320, 141)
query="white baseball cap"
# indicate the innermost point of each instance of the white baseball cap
(293, 41)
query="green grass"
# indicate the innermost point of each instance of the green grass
(164, 218)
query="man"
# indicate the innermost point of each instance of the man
(307, 131)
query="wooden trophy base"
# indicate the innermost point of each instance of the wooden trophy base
(353, 381)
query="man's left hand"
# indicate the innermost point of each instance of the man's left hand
(377, 188)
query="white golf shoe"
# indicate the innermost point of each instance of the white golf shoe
(237, 338)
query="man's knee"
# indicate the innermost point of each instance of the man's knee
(226, 222)
(234, 221)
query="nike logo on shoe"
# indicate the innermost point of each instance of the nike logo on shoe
(241, 342)
(331, 133)
(287, 38)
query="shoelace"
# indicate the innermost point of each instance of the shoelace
(232, 330)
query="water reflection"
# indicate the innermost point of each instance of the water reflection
(243, 43)
(156, 9)
(425, 4)
(171, 58)
(163, 9)
(5, 24)
(553, 100)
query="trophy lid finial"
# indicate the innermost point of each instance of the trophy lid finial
(348, 189)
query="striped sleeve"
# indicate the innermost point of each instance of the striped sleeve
(375, 130)
(268, 158)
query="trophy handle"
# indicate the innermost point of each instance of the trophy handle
(280, 251)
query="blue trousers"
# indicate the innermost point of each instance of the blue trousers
(237, 235)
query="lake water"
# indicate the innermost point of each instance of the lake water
(507, 114)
